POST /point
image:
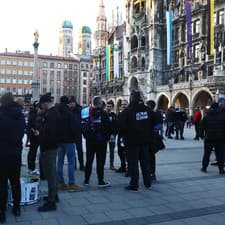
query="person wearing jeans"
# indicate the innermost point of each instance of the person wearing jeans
(67, 149)
(67, 136)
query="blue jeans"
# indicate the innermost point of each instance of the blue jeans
(69, 150)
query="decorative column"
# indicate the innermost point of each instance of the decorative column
(35, 82)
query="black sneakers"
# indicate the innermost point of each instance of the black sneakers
(121, 170)
(103, 184)
(16, 210)
(203, 170)
(48, 206)
(45, 198)
(131, 188)
(2, 217)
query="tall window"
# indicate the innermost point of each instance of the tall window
(196, 26)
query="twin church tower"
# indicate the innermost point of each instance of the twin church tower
(65, 47)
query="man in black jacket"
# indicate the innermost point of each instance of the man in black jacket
(34, 143)
(212, 129)
(112, 140)
(96, 131)
(12, 128)
(48, 137)
(67, 137)
(76, 109)
(137, 124)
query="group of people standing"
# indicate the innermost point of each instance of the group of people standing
(57, 130)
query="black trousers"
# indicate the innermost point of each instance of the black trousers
(152, 162)
(122, 155)
(209, 145)
(10, 172)
(79, 148)
(31, 157)
(197, 129)
(136, 154)
(98, 148)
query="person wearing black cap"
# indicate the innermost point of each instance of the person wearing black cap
(137, 125)
(48, 137)
(212, 130)
(12, 128)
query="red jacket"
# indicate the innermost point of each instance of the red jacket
(197, 116)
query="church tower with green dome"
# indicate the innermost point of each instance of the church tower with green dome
(84, 41)
(65, 39)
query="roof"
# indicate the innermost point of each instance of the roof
(86, 30)
(67, 24)
(84, 57)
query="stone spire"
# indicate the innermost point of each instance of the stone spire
(101, 31)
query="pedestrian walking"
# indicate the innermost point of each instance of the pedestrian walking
(196, 120)
(212, 130)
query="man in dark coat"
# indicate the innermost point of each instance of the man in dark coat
(34, 143)
(48, 137)
(12, 128)
(212, 129)
(136, 123)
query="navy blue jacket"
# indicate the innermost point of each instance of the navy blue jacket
(12, 128)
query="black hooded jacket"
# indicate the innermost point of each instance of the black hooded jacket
(212, 126)
(136, 122)
(12, 128)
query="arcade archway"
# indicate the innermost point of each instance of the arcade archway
(163, 103)
(181, 100)
(203, 100)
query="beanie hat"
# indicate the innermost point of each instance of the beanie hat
(221, 99)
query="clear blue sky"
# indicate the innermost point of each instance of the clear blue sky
(20, 18)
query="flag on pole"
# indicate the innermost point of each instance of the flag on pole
(107, 66)
(116, 59)
(211, 5)
(169, 26)
(189, 28)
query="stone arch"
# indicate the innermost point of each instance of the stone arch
(203, 99)
(163, 102)
(181, 100)
(133, 84)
